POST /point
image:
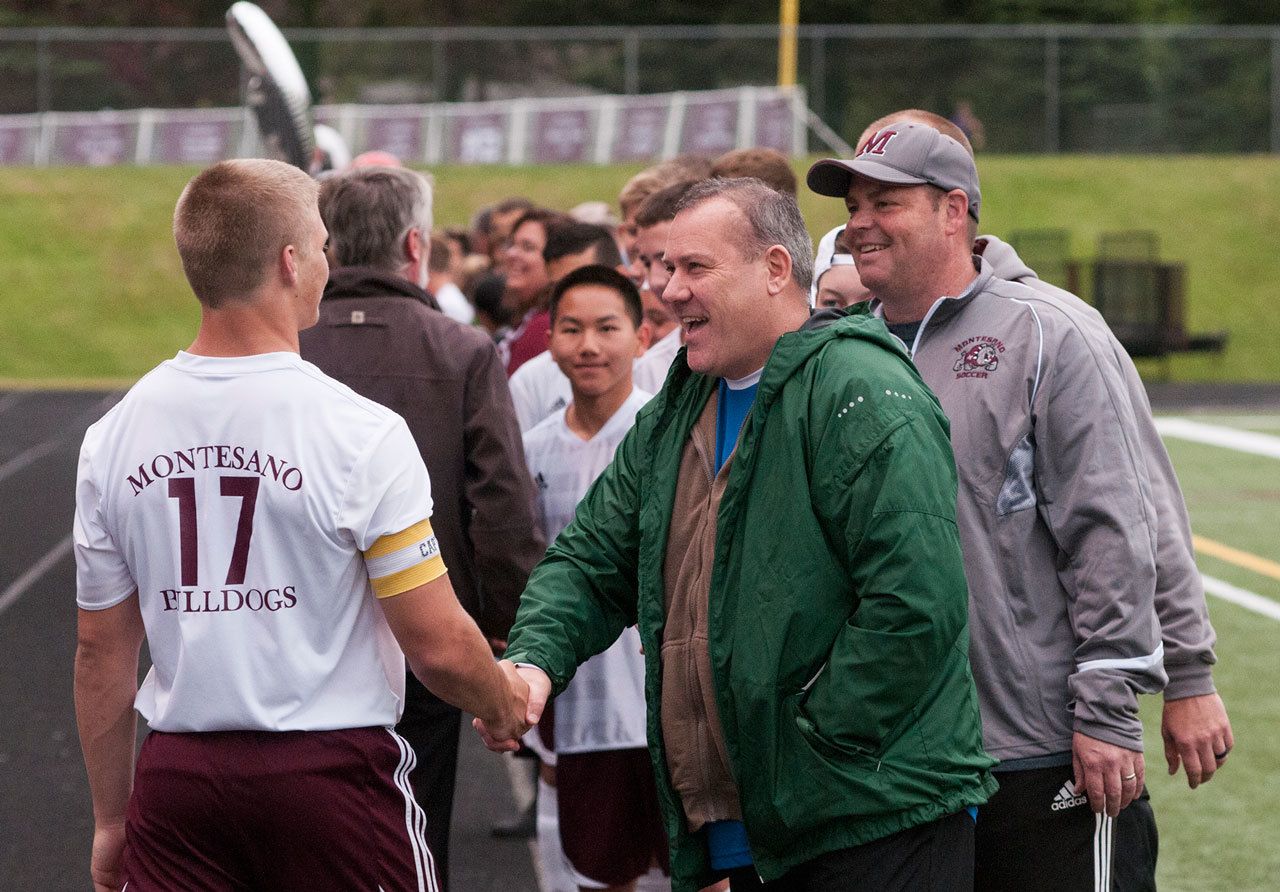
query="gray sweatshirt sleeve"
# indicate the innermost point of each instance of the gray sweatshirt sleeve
(1097, 503)
(1180, 605)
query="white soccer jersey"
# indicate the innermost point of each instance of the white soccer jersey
(603, 707)
(651, 369)
(538, 389)
(236, 495)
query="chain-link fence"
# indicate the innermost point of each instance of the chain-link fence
(1034, 88)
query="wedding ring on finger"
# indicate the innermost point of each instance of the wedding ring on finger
(1129, 777)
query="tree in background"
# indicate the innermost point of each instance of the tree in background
(383, 13)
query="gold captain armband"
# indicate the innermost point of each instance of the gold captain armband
(405, 560)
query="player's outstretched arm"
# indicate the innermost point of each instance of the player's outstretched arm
(106, 682)
(448, 654)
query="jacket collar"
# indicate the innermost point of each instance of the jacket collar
(365, 281)
(946, 307)
(1005, 262)
(690, 390)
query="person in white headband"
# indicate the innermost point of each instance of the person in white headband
(835, 277)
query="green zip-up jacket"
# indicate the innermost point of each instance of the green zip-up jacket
(838, 614)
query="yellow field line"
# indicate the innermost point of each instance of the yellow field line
(1236, 556)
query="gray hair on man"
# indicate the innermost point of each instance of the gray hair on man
(773, 218)
(369, 211)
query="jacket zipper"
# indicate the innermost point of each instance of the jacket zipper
(808, 684)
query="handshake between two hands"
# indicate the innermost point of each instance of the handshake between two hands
(527, 690)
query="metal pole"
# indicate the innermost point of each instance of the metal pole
(439, 68)
(1052, 94)
(1275, 92)
(631, 63)
(788, 21)
(818, 75)
(44, 81)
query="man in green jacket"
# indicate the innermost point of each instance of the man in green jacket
(780, 523)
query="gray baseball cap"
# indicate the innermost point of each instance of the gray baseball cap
(907, 153)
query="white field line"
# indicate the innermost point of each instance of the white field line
(28, 456)
(32, 454)
(36, 571)
(1217, 435)
(23, 583)
(1241, 441)
(1242, 597)
(1256, 422)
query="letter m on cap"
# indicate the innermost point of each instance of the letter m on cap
(876, 144)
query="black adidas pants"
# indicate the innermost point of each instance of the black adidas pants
(933, 857)
(1038, 833)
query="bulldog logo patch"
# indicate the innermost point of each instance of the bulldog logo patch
(978, 357)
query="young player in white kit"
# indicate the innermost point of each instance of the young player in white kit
(607, 808)
(268, 530)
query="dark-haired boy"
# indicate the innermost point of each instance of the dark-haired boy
(609, 823)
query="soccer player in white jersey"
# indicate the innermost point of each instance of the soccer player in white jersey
(268, 532)
(607, 807)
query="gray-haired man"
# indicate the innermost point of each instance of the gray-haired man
(780, 523)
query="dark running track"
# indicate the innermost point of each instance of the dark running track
(45, 820)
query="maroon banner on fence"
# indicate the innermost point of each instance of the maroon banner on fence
(94, 143)
(710, 128)
(18, 143)
(399, 134)
(478, 138)
(640, 130)
(193, 142)
(561, 136)
(773, 124)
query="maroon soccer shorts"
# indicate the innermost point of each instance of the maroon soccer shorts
(610, 824)
(289, 810)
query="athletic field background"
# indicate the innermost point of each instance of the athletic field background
(92, 287)
(92, 290)
(1223, 835)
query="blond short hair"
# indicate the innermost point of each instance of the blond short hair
(682, 168)
(769, 166)
(638, 188)
(232, 221)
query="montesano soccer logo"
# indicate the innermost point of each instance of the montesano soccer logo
(979, 356)
(1068, 797)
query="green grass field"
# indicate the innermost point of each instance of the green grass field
(93, 289)
(93, 292)
(1222, 836)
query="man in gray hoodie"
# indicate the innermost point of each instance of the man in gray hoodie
(1194, 718)
(1057, 514)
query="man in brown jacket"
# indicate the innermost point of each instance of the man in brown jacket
(384, 336)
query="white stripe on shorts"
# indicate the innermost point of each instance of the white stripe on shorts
(415, 819)
(1102, 835)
